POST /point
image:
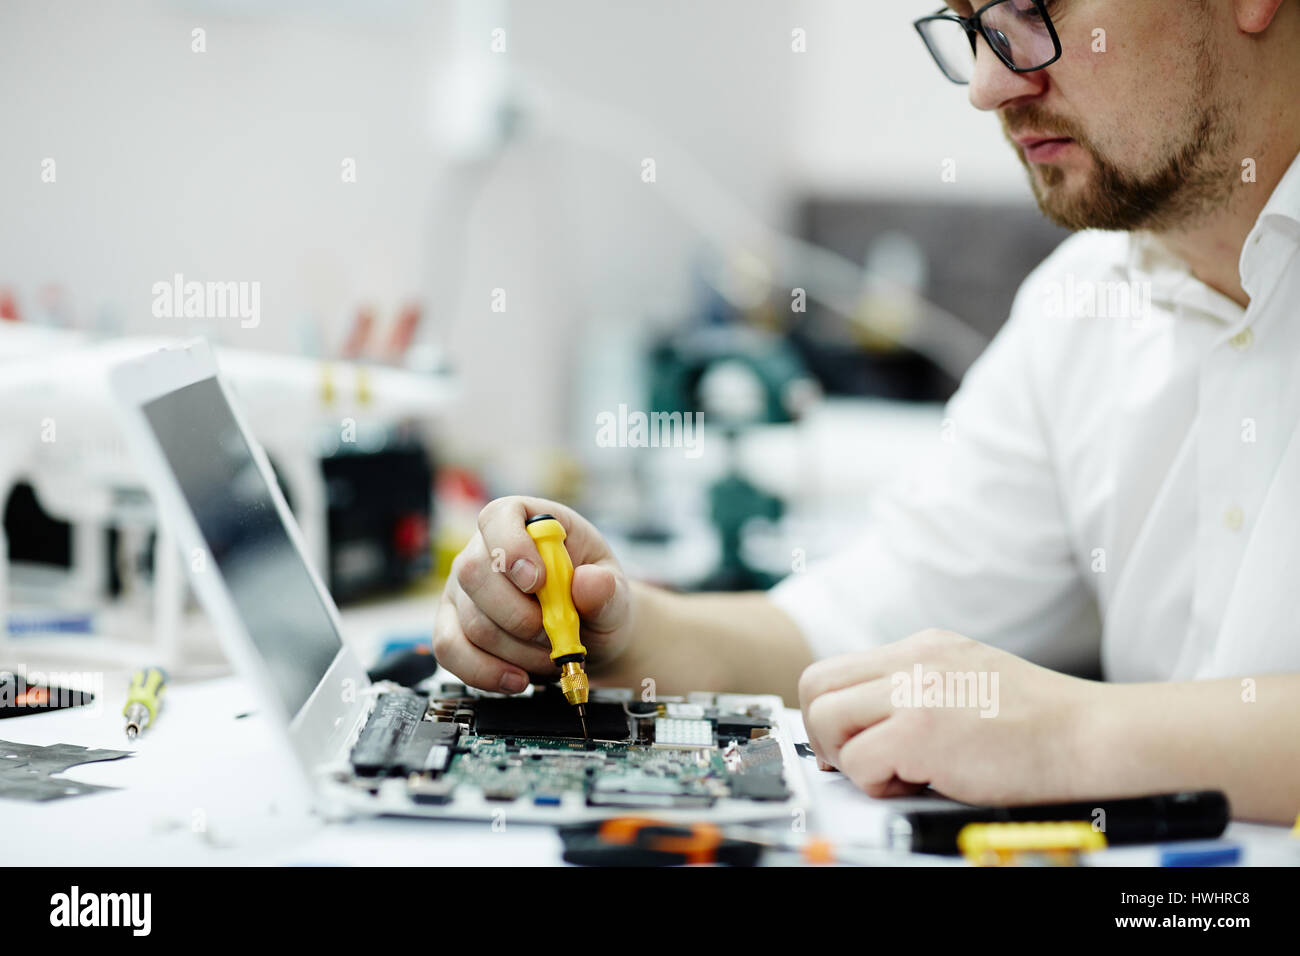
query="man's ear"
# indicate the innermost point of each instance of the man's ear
(1255, 16)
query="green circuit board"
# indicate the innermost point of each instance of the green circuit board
(544, 769)
(641, 754)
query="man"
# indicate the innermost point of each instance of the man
(1125, 485)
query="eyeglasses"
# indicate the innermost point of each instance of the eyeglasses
(1020, 32)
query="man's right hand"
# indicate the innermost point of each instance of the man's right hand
(489, 626)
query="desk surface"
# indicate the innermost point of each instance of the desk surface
(205, 787)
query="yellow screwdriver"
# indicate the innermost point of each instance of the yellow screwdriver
(144, 699)
(559, 616)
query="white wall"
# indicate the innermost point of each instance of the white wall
(876, 115)
(221, 165)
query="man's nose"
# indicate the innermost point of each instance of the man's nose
(994, 85)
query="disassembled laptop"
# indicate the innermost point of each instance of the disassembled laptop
(370, 748)
(528, 751)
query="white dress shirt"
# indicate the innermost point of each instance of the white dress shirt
(1125, 485)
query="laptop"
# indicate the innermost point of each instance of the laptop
(443, 750)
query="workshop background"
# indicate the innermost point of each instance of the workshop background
(481, 231)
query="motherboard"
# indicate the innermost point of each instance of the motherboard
(657, 754)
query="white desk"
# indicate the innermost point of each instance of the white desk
(204, 789)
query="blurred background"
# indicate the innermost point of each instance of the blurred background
(483, 247)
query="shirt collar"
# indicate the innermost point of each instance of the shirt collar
(1276, 230)
(1149, 260)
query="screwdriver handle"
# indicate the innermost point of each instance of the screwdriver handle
(559, 616)
(146, 691)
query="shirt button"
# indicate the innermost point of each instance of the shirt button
(1243, 340)
(1233, 518)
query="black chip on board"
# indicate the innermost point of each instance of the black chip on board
(547, 715)
(740, 726)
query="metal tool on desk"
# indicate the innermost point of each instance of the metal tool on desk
(144, 700)
(30, 772)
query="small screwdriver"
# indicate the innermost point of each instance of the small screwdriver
(144, 699)
(559, 616)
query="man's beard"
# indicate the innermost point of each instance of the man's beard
(1194, 179)
(1191, 183)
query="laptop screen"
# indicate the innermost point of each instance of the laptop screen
(265, 574)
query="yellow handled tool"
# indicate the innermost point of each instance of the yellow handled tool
(1002, 844)
(559, 616)
(144, 699)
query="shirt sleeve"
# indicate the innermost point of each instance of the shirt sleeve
(973, 538)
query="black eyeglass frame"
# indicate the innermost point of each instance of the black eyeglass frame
(974, 27)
